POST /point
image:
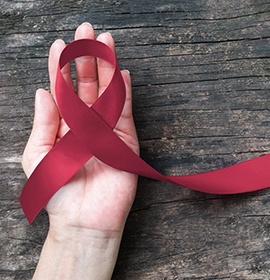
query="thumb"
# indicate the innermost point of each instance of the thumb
(43, 135)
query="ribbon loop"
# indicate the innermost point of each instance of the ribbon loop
(91, 133)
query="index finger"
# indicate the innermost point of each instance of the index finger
(55, 52)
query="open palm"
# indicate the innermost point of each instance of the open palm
(98, 197)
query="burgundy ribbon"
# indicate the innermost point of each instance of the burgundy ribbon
(91, 134)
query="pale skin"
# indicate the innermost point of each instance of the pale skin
(88, 214)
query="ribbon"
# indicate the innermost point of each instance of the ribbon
(91, 134)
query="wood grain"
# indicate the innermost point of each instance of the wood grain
(201, 101)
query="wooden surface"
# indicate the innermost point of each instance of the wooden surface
(201, 86)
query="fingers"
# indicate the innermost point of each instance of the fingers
(86, 68)
(105, 69)
(54, 55)
(43, 135)
(125, 127)
(127, 110)
(93, 75)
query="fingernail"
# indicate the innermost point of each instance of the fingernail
(88, 23)
(38, 98)
(38, 93)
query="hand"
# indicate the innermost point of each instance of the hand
(96, 201)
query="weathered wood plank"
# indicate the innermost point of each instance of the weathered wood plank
(201, 101)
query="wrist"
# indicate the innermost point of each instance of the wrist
(62, 233)
(78, 253)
